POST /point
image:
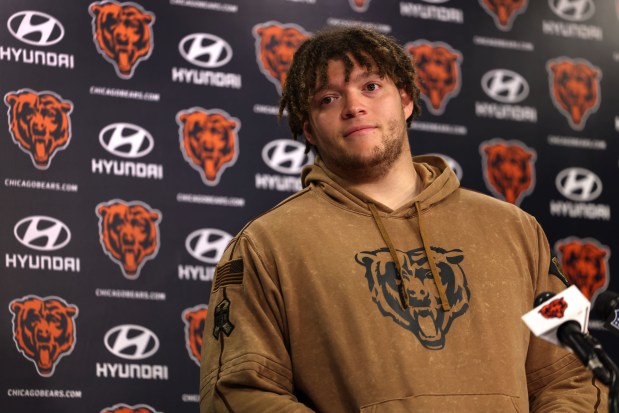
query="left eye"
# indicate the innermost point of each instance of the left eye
(372, 87)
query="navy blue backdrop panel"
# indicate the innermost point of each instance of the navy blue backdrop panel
(116, 207)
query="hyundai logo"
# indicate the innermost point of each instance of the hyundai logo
(578, 184)
(35, 28)
(452, 163)
(131, 342)
(286, 156)
(205, 50)
(505, 86)
(207, 244)
(573, 10)
(42, 233)
(126, 140)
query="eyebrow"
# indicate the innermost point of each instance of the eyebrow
(363, 75)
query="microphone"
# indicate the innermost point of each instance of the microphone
(551, 311)
(606, 307)
(562, 319)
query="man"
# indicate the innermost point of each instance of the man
(382, 286)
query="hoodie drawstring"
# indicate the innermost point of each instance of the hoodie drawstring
(437, 279)
(400, 281)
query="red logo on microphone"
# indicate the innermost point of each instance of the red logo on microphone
(554, 309)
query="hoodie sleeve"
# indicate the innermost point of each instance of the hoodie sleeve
(556, 379)
(245, 363)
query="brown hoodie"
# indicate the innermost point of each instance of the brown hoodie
(332, 302)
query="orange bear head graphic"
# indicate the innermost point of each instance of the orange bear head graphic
(39, 123)
(209, 141)
(554, 309)
(438, 66)
(129, 234)
(276, 44)
(123, 34)
(194, 319)
(43, 330)
(124, 408)
(360, 5)
(504, 12)
(585, 264)
(575, 89)
(508, 169)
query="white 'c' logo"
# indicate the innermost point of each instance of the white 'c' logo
(42, 233)
(126, 140)
(207, 244)
(205, 50)
(505, 86)
(286, 156)
(35, 28)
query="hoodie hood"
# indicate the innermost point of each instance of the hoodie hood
(438, 180)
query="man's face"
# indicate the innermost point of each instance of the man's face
(359, 126)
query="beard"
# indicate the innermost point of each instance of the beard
(367, 167)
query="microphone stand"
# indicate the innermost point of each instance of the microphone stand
(611, 367)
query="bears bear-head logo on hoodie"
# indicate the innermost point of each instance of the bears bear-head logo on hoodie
(424, 317)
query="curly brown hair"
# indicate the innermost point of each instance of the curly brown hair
(367, 47)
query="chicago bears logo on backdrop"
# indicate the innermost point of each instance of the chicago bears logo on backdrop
(39, 123)
(424, 317)
(129, 234)
(504, 12)
(509, 170)
(359, 5)
(438, 65)
(554, 309)
(43, 330)
(123, 34)
(585, 264)
(209, 141)
(194, 319)
(275, 46)
(574, 89)
(125, 408)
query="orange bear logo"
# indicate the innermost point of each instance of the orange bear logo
(276, 44)
(123, 34)
(575, 89)
(209, 141)
(129, 234)
(194, 319)
(43, 330)
(359, 5)
(124, 408)
(504, 12)
(508, 169)
(585, 264)
(438, 66)
(39, 123)
(554, 309)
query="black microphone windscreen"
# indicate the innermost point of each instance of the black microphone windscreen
(542, 297)
(605, 304)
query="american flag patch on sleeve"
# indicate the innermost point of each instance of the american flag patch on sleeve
(230, 273)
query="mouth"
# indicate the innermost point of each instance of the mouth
(426, 319)
(45, 357)
(130, 260)
(357, 130)
(40, 148)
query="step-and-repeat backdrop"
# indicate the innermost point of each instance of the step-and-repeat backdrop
(140, 136)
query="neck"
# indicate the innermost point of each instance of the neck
(396, 187)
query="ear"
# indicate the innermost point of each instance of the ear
(407, 103)
(307, 131)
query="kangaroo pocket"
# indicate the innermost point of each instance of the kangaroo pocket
(447, 403)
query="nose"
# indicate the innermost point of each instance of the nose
(353, 105)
